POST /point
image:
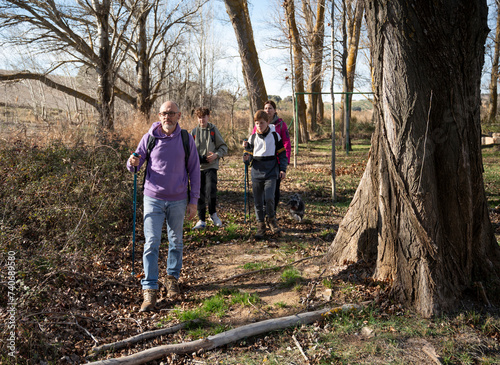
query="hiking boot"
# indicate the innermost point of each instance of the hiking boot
(173, 290)
(261, 231)
(216, 220)
(274, 225)
(200, 225)
(149, 300)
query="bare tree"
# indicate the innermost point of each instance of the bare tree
(492, 111)
(352, 16)
(102, 35)
(420, 213)
(155, 36)
(316, 35)
(298, 69)
(254, 82)
(85, 33)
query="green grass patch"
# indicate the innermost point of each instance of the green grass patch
(290, 277)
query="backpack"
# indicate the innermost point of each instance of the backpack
(275, 135)
(211, 131)
(187, 151)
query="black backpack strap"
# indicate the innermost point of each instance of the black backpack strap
(150, 146)
(275, 135)
(279, 147)
(187, 151)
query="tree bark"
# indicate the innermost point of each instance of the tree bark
(240, 18)
(492, 110)
(144, 101)
(104, 67)
(315, 107)
(420, 213)
(298, 69)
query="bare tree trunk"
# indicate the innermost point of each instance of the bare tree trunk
(105, 97)
(298, 69)
(346, 140)
(315, 108)
(144, 103)
(240, 18)
(354, 20)
(492, 110)
(420, 213)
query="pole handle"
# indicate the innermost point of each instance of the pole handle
(135, 155)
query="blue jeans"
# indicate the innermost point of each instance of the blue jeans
(155, 212)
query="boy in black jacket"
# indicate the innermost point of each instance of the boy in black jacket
(265, 151)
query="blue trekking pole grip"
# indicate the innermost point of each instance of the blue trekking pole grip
(135, 213)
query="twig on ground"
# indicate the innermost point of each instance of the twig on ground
(87, 332)
(130, 319)
(260, 310)
(300, 348)
(143, 336)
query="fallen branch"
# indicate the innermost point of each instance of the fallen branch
(224, 338)
(141, 337)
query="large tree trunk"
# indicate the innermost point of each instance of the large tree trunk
(420, 212)
(492, 110)
(315, 108)
(298, 69)
(240, 18)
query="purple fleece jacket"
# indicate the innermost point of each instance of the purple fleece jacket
(166, 175)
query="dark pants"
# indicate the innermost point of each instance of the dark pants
(277, 194)
(263, 196)
(208, 193)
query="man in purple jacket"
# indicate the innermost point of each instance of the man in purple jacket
(166, 198)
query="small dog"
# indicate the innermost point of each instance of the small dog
(297, 207)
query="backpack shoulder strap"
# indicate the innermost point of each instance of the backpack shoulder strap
(150, 146)
(185, 143)
(187, 151)
(275, 135)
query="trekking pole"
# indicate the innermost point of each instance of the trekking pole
(245, 178)
(135, 213)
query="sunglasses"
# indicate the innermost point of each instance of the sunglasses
(170, 114)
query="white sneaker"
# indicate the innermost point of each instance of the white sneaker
(216, 220)
(200, 225)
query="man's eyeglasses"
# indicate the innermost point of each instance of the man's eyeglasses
(170, 114)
